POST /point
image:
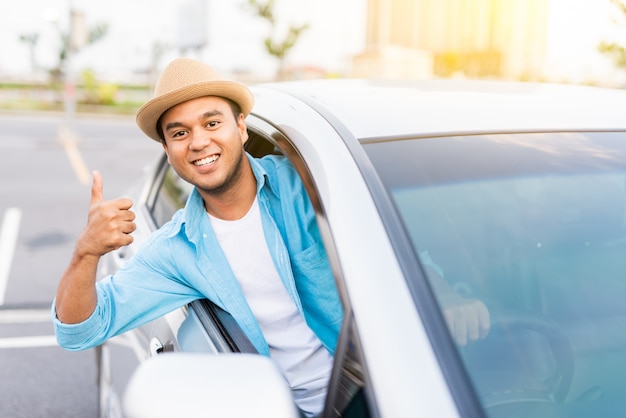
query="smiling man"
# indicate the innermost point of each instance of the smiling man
(205, 148)
(247, 239)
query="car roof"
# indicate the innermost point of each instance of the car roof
(383, 109)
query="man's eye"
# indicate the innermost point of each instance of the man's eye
(178, 134)
(212, 124)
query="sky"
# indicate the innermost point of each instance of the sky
(576, 27)
(234, 35)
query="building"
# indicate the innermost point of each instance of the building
(474, 38)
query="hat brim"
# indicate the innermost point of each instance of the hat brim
(149, 114)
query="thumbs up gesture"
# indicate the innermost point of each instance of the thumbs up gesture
(109, 224)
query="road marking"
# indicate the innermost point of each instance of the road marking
(29, 342)
(8, 238)
(23, 316)
(68, 139)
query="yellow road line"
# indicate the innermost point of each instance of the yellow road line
(68, 139)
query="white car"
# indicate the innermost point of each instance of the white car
(516, 191)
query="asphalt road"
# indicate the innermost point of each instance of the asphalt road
(45, 175)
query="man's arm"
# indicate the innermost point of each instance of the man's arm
(109, 226)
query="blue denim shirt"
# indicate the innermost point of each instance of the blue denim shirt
(183, 261)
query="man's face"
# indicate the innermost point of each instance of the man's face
(204, 143)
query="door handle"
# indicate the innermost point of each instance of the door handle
(157, 347)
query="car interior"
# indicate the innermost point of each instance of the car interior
(534, 226)
(546, 255)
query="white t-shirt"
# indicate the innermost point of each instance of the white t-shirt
(299, 354)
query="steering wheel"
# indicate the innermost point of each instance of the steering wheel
(504, 365)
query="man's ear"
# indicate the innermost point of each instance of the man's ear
(243, 128)
(164, 145)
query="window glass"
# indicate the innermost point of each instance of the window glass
(172, 195)
(534, 225)
(347, 393)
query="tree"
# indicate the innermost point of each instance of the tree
(31, 40)
(94, 34)
(276, 48)
(615, 51)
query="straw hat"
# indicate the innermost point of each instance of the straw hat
(185, 79)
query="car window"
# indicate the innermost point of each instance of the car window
(171, 196)
(534, 225)
(346, 397)
(346, 394)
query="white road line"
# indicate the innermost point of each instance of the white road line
(24, 316)
(68, 139)
(8, 238)
(29, 342)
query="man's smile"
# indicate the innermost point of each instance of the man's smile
(206, 161)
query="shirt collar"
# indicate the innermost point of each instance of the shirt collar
(194, 212)
(262, 177)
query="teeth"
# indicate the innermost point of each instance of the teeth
(206, 161)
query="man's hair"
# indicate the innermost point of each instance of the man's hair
(234, 107)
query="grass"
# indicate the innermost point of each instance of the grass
(44, 98)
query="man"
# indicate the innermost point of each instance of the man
(247, 239)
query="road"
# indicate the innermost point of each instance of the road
(44, 194)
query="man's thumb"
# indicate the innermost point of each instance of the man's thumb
(96, 188)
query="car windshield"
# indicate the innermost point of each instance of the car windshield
(534, 226)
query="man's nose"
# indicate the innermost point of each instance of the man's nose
(199, 139)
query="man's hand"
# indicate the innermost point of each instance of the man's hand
(109, 226)
(468, 319)
(109, 223)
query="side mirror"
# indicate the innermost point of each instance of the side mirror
(208, 385)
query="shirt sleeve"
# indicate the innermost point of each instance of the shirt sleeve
(82, 335)
(136, 295)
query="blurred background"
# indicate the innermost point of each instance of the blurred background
(73, 72)
(109, 53)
